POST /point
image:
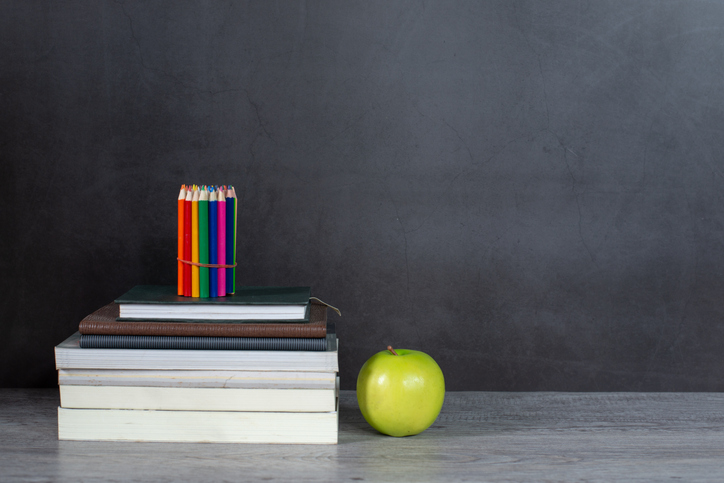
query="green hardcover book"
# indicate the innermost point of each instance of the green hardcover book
(252, 304)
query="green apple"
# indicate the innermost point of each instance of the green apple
(401, 392)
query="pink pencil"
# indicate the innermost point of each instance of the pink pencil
(221, 241)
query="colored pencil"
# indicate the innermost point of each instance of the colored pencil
(213, 246)
(204, 241)
(207, 234)
(181, 202)
(236, 216)
(230, 240)
(221, 240)
(195, 242)
(187, 242)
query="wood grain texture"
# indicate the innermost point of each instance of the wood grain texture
(479, 436)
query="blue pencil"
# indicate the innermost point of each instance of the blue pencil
(204, 242)
(213, 244)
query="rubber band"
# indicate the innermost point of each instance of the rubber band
(325, 303)
(207, 265)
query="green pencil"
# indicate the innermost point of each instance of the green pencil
(236, 216)
(204, 242)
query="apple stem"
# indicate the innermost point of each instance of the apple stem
(389, 348)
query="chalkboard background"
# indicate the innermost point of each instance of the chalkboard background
(530, 192)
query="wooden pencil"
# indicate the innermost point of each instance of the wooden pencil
(213, 247)
(236, 227)
(230, 240)
(221, 240)
(204, 241)
(187, 242)
(181, 203)
(195, 242)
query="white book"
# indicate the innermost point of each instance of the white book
(226, 379)
(197, 398)
(197, 426)
(69, 355)
(213, 312)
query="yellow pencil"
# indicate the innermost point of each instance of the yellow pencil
(195, 242)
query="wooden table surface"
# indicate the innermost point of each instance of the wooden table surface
(479, 436)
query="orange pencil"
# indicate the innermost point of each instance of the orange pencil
(181, 201)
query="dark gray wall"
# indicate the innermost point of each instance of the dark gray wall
(531, 192)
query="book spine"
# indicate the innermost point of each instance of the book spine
(91, 341)
(200, 330)
(197, 398)
(197, 426)
(197, 378)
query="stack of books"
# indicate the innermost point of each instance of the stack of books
(259, 366)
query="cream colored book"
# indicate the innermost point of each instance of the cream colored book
(197, 426)
(226, 379)
(197, 399)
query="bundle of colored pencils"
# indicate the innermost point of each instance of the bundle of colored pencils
(206, 241)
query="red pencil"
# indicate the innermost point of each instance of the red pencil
(181, 203)
(187, 242)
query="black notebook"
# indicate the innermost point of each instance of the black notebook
(161, 302)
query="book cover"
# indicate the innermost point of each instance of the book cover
(166, 294)
(163, 342)
(104, 322)
(69, 355)
(161, 302)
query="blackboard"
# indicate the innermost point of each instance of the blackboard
(530, 192)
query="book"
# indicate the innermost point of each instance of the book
(161, 302)
(198, 426)
(92, 341)
(69, 355)
(104, 322)
(197, 399)
(196, 378)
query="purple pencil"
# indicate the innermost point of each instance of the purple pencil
(221, 240)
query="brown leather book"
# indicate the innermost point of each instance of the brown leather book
(103, 322)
